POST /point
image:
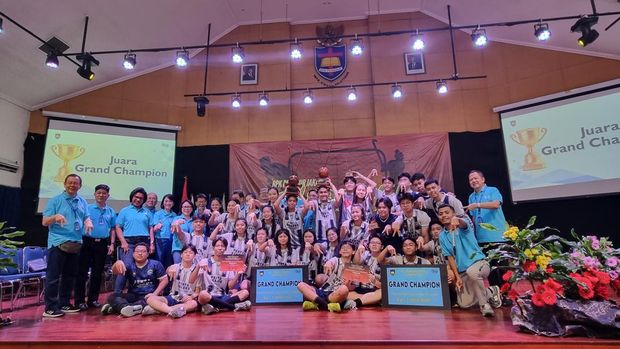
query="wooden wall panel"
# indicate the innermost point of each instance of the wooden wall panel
(514, 73)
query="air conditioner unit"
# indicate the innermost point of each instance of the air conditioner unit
(8, 165)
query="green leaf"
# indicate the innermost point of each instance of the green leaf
(488, 226)
(531, 222)
(12, 235)
(2, 225)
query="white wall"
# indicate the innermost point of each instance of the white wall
(14, 122)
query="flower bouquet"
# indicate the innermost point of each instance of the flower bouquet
(559, 286)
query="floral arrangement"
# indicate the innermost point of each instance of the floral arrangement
(587, 268)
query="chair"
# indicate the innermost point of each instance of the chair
(9, 276)
(29, 256)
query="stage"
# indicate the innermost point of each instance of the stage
(280, 326)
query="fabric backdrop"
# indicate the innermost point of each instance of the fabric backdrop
(256, 166)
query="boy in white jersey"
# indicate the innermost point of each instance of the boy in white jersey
(197, 238)
(183, 295)
(324, 213)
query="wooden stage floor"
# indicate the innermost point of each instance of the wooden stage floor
(280, 326)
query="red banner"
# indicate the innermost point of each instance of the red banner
(256, 166)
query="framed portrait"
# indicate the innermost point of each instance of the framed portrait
(249, 74)
(414, 63)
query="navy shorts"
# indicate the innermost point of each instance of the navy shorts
(225, 298)
(323, 294)
(364, 290)
(172, 301)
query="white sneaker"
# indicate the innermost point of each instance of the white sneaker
(131, 310)
(350, 305)
(487, 310)
(208, 309)
(177, 312)
(243, 306)
(496, 299)
(148, 310)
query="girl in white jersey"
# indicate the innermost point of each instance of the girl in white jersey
(309, 256)
(239, 243)
(355, 229)
(227, 219)
(183, 295)
(292, 218)
(285, 253)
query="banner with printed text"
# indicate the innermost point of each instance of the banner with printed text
(256, 166)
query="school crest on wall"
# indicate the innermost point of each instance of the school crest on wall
(330, 62)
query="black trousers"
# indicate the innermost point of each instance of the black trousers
(120, 300)
(92, 256)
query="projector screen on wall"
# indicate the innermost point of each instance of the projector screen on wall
(564, 147)
(122, 157)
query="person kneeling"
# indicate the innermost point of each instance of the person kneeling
(182, 298)
(141, 275)
(332, 288)
(468, 263)
(214, 297)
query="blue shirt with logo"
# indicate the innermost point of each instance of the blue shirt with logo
(143, 280)
(495, 217)
(75, 211)
(462, 245)
(134, 221)
(103, 220)
(166, 219)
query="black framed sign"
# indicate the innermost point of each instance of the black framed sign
(277, 285)
(415, 286)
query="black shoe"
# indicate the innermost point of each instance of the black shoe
(94, 304)
(83, 306)
(70, 309)
(53, 313)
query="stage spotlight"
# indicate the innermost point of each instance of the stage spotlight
(85, 70)
(51, 60)
(541, 30)
(182, 58)
(201, 104)
(263, 99)
(418, 43)
(238, 54)
(356, 46)
(129, 62)
(397, 91)
(479, 37)
(351, 94)
(584, 25)
(308, 99)
(236, 101)
(296, 50)
(442, 87)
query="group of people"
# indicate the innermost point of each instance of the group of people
(172, 263)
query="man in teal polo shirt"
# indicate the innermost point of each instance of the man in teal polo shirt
(133, 226)
(466, 260)
(95, 249)
(485, 206)
(67, 217)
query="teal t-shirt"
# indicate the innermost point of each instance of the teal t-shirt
(75, 211)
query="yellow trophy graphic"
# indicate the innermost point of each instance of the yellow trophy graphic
(66, 153)
(529, 137)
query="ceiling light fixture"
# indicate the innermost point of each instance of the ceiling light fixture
(85, 70)
(201, 104)
(129, 62)
(308, 99)
(418, 43)
(356, 46)
(479, 37)
(52, 61)
(541, 31)
(584, 25)
(296, 51)
(182, 58)
(351, 94)
(238, 54)
(397, 91)
(442, 87)
(263, 99)
(236, 101)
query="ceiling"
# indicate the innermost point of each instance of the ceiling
(121, 24)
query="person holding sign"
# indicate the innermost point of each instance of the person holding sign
(368, 293)
(183, 295)
(332, 288)
(216, 281)
(285, 253)
(466, 260)
(67, 217)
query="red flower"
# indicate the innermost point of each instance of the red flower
(505, 288)
(549, 269)
(537, 300)
(541, 289)
(529, 266)
(513, 294)
(602, 291)
(603, 277)
(555, 286)
(507, 275)
(584, 287)
(616, 283)
(549, 297)
(591, 276)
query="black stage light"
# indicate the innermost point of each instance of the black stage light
(201, 103)
(584, 25)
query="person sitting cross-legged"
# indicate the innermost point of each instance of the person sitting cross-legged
(144, 277)
(183, 295)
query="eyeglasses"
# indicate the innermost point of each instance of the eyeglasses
(140, 251)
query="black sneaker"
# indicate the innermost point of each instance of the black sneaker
(94, 304)
(53, 313)
(70, 309)
(83, 306)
